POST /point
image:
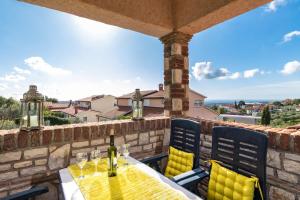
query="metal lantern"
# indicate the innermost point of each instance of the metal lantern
(32, 110)
(137, 105)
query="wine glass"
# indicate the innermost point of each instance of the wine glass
(96, 157)
(81, 159)
(126, 152)
(118, 152)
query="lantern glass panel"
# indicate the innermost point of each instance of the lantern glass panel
(134, 109)
(140, 109)
(24, 116)
(33, 114)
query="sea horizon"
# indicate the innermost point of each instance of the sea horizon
(231, 101)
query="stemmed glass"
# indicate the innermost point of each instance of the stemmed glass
(125, 152)
(118, 152)
(96, 157)
(81, 159)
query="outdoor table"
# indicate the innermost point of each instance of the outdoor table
(71, 190)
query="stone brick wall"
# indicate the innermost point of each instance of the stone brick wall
(283, 158)
(34, 158)
(176, 73)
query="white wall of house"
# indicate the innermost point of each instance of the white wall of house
(195, 100)
(124, 102)
(104, 104)
(84, 104)
(88, 116)
(157, 103)
(239, 118)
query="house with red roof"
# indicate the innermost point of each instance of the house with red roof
(88, 109)
(154, 105)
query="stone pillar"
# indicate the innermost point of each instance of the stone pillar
(176, 73)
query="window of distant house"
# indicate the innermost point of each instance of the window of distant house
(198, 103)
(147, 102)
(129, 102)
(84, 119)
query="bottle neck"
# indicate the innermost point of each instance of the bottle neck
(112, 142)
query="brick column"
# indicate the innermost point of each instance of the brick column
(176, 73)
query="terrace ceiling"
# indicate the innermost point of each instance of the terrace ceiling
(155, 17)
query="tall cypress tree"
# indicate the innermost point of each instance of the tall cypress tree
(266, 116)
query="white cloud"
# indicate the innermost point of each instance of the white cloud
(22, 71)
(3, 86)
(289, 36)
(235, 75)
(291, 67)
(107, 81)
(250, 73)
(38, 64)
(13, 77)
(205, 70)
(126, 81)
(273, 6)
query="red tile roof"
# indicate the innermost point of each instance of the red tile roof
(70, 110)
(197, 93)
(51, 105)
(143, 93)
(91, 98)
(158, 94)
(202, 112)
(154, 94)
(116, 112)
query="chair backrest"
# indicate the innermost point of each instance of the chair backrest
(185, 136)
(243, 151)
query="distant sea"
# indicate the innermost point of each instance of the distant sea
(210, 102)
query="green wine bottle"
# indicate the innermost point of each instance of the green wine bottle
(112, 158)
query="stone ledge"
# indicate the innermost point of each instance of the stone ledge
(279, 138)
(11, 140)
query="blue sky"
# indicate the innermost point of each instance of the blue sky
(253, 56)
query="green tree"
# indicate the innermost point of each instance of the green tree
(9, 113)
(296, 101)
(55, 118)
(221, 110)
(277, 103)
(214, 107)
(53, 100)
(243, 112)
(241, 103)
(266, 116)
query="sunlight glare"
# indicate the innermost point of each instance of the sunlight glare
(93, 29)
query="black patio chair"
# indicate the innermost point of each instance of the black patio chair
(241, 150)
(185, 136)
(28, 194)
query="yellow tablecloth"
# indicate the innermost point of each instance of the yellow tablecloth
(130, 183)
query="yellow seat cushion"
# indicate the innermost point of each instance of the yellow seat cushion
(225, 184)
(178, 162)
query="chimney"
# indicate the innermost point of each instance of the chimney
(76, 109)
(160, 87)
